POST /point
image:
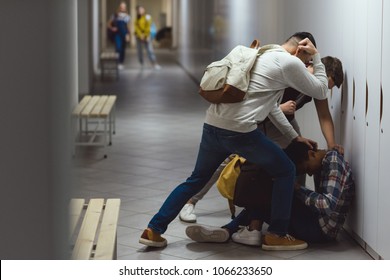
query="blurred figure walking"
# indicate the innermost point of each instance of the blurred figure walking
(142, 26)
(119, 31)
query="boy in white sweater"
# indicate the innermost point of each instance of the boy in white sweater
(232, 129)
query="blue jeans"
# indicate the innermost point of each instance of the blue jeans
(149, 50)
(216, 145)
(120, 47)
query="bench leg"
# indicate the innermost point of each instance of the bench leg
(115, 257)
(105, 136)
(86, 126)
(113, 117)
(110, 129)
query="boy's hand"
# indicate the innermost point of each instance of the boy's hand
(289, 107)
(338, 148)
(312, 144)
(307, 46)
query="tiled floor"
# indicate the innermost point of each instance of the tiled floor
(159, 120)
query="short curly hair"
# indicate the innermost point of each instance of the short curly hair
(334, 69)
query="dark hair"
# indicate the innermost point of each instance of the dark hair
(297, 152)
(302, 35)
(137, 11)
(334, 69)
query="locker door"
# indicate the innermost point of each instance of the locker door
(384, 157)
(329, 47)
(347, 90)
(335, 108)
(347, 60)
(371, 185)
(358, 122)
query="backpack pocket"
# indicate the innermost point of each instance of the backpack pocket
(214, 77)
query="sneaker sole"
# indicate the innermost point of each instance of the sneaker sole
(187, 221)
(203, 234)
(248, 242)
(283, 247)
(150, 243)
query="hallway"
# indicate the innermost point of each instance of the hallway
(158, 127)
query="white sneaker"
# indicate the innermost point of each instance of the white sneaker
(157, 67)
(120, 67)
(187, 213)
(200, 233)
(247, 237)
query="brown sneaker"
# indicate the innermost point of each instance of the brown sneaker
(152, 239)
(273, 242)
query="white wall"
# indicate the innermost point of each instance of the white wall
(207, 30)
(84, 30)
(244, 27)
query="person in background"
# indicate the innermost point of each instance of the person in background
(291, 102)
(142, 25)
(232, 129)
(119, 30)
(317, 216)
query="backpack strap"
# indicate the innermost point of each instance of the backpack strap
(255, 44)
(270, 47)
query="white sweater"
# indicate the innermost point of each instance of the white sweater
(272, 73)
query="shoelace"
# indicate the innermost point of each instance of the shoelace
(242, 228)
(289, 237)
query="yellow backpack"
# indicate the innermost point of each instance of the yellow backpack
(226, 182)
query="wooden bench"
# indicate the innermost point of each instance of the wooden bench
(100, 111)
(94, 234)
(109, 63)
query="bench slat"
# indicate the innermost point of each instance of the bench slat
(77, 110)
(109, 55)
(99, 106)
(84, 243)
(108, 106)
(91, 104)
(106, 244)
(75, 208)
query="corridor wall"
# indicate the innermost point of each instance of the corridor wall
(355, 31)
(84, 39)
(39, 85)
(208, 29)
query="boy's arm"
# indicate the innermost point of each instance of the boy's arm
(326, 121)
(278, 118)
(297, 77)
(326, 124)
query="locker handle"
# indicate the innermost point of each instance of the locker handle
(342, 95)
(366, 97)
(381, 105)
(353, 94)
